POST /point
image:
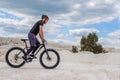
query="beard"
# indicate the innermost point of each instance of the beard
(44, 22)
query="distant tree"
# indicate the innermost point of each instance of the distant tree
(89, 43)
(83, 43)
(74, 49)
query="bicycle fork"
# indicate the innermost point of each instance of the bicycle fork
(48, 57)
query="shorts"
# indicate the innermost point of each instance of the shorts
(33, 40)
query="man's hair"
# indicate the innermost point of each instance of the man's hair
(45, 16)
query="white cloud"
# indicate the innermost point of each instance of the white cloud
(91, 4)
(51, 28)
(74, 12)
(60, 35)
(82, 32)
(110, 1)
(110, 42)
(18, 35)
(71, 12)
(14, 35)
(2, 14)
(117, 9)
(25, 19)
(76, 6)
(88, 13)
(113, 39)
(63, 41)
(26, 23)
(2, 30)
(115, 34)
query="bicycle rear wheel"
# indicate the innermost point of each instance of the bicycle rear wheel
(14, 57)
(51, 61)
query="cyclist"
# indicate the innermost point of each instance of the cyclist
(36, 29)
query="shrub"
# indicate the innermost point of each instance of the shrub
(89, 43)
(74, 49)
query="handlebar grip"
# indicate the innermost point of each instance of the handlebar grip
(45, 42)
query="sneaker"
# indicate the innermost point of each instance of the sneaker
(32, 56)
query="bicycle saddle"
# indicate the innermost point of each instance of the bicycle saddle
(24, 39)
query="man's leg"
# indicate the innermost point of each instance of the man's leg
(32, 41)
(36, 47)
(29, 50)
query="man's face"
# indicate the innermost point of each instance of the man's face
(45, 20)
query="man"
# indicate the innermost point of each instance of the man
(36, 29)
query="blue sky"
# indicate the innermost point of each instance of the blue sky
(69, 20)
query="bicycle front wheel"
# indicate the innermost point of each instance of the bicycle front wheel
(50, 60)
(14, 57)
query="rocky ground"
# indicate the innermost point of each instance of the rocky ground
(73, 66)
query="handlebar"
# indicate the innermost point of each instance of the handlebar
(44, 43)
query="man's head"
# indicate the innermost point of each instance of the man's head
(45, 19)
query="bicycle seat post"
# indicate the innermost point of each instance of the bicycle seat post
(26, 46)
(24, 40)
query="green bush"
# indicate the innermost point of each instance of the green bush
(74, 49)
(89, 43)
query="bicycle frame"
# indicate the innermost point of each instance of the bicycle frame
(41, 46)
(36, 52)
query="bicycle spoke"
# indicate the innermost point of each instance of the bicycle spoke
(49, 60)
(15, 57)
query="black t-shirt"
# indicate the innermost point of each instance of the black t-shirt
(35, 28)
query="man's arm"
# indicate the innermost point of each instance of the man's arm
(41, 34)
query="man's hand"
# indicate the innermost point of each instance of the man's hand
(44, 40)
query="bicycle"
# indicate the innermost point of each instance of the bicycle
(49, 58)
